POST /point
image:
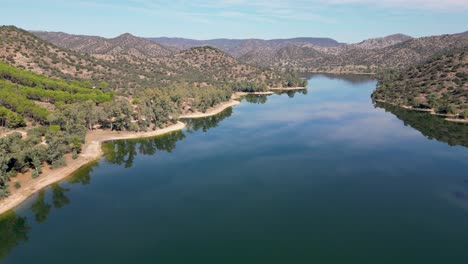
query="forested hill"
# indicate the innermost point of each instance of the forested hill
(124, 68)
(57, 95)
(440, 84)
(57, 115)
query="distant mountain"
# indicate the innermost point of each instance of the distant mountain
(300, 54)
(239, 47)
(369, 56)
(380, 43)
(318, 54)
(125, 44)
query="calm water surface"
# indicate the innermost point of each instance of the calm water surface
(321, 177)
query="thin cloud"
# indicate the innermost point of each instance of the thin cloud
(434, 5)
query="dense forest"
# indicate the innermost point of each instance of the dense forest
(440, 84)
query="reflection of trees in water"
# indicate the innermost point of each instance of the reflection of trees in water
(204, 124)
(83, 175)
(255, 98)
(40, 207)
(292, 93)
(59, 199)
(13, 231)
(431, 126)
(123, 152)
(352, 78)
(263, 98)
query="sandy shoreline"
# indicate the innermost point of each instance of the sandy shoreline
(212, 111)
(92, 151)
(288, 88)
(342, 72)
(253, 93)
(448, 118)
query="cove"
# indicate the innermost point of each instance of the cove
(323, 176)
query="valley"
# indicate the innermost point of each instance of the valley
(173, 149)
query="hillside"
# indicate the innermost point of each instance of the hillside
(125, 44)
(57, 114)
(326, 55)
(369, 56)
(380, 43)
(131, 64)
(24, 50)
(431, 126)
(440, 84)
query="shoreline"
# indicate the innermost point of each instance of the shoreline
(288, 88)
(91, 151)
(211, 111)
(342, 72)
(448, 118)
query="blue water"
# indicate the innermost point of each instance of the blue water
(321, 177)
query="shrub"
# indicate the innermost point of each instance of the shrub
(17, 185)
(35, 174)
(60, 162)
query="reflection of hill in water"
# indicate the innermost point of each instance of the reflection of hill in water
(352, 78)
(431, 126)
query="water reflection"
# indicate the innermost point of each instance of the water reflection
(255, 98)
(123, 152)
(207, 123)
(263, 98)
(350, 78)
(13, 231)
(431, 126)
(40, 207)
(59, 199)
(336, 119)
(292, 93)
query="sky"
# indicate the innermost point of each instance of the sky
(347, 21)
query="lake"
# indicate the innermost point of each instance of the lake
(323, 176)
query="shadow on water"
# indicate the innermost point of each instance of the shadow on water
(431, 126)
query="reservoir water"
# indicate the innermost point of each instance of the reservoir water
(323, 176)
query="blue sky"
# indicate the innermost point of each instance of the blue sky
(343, 20)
